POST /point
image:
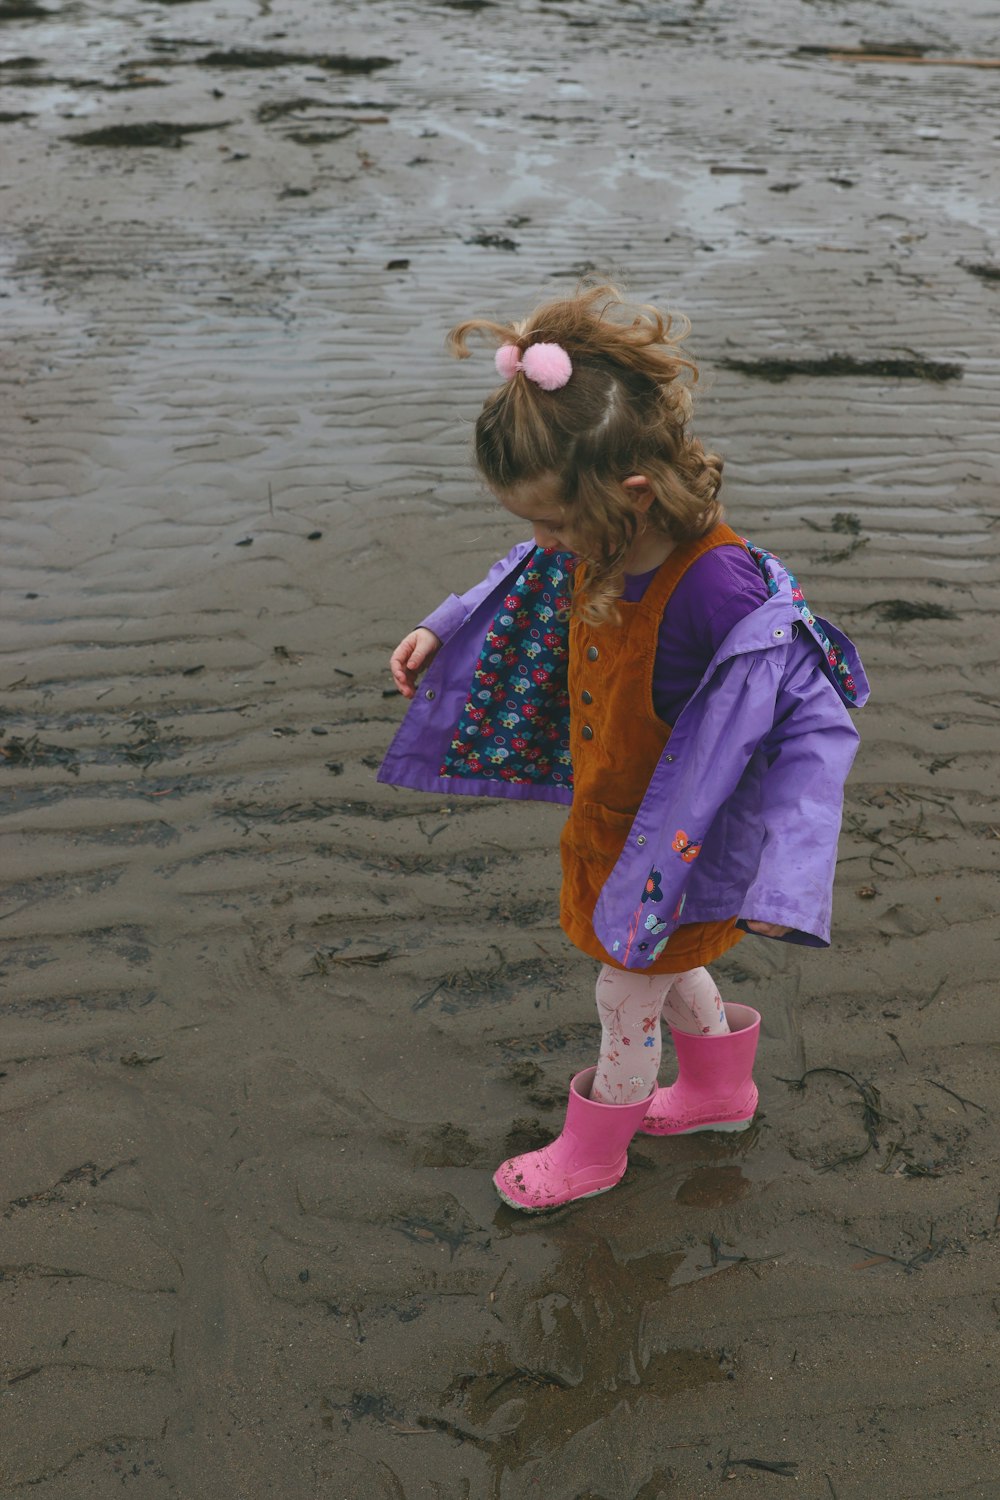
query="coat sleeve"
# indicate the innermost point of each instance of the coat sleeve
(808, 753)
(452, 614)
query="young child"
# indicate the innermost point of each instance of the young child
(643, 663)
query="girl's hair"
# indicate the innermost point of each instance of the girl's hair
(625, 410)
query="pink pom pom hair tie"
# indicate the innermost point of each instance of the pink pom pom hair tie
(548, 365)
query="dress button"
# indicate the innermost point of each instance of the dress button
(587, 732)
(592, 653)
(587, 697)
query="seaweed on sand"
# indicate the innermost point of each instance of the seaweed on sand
(916, 367)
(264, 57)
(22, 10)
(983, 271)
(34, 752)
(146, 133)
(901, 611)
(872, 1116)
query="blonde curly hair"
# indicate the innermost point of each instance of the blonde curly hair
(624, 411)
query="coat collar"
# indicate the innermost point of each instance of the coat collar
(778, 621)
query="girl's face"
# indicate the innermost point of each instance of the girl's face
(539, 502)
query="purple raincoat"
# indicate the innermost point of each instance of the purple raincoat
(753, 772)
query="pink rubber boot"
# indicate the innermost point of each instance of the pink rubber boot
(589, 1156)
(714, 1089)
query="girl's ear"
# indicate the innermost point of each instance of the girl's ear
(641, 492)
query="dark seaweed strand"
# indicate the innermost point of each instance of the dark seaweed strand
(914, 368)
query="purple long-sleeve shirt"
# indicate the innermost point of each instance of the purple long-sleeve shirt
(718, 589)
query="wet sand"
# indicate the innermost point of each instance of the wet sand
(270, 1026)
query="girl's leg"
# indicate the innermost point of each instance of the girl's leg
(629, 1007)
(693, 1003)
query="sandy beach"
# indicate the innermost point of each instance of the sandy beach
(268, 1025)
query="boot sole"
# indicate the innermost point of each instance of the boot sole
(548, 1208)
(720, 1125)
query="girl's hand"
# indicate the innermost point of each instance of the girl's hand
(768, 929)
(411, 657)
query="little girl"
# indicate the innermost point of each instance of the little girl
(642, 662)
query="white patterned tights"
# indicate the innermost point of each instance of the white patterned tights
(629, 1006)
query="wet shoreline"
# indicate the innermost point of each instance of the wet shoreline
(270, 1026)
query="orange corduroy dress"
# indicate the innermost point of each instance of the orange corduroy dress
(616, 740)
